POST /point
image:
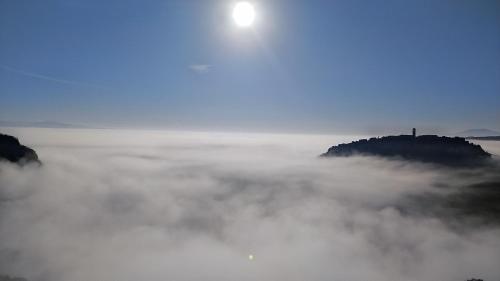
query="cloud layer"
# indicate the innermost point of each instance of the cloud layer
(145, 205)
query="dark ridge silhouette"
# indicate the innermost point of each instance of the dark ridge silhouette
(11, 150)
(447, 151)
(487, 138)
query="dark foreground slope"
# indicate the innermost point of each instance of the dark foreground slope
(426, 148)
(11, 150)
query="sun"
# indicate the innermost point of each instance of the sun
(243, 14)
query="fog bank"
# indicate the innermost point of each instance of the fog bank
(155, 205)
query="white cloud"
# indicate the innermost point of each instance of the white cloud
(200, 68)
(139, 205)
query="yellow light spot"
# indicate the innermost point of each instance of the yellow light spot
(250, 257)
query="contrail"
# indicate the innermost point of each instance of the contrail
(48, 78)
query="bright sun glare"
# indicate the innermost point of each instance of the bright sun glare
(243, 14)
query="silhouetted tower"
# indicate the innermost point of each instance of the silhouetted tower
(414, 131)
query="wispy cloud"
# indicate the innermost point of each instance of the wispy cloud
(48, 78)
(200, 68)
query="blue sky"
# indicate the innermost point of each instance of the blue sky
(326, 66)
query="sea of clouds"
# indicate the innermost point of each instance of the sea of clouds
(110, 205)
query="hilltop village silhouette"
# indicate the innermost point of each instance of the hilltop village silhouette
(450, 151)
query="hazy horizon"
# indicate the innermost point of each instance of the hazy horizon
(373, 131)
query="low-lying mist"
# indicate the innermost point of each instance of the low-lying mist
(152, 205)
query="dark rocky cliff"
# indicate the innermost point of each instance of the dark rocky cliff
(426, 148)
(11, 150)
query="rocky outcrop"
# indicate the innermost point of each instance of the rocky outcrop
(426, 148)
(12, 151)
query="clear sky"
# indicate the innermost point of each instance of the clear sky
(337, 66)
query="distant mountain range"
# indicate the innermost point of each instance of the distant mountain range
(39, 124)
(488, 138)
(477, 133)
